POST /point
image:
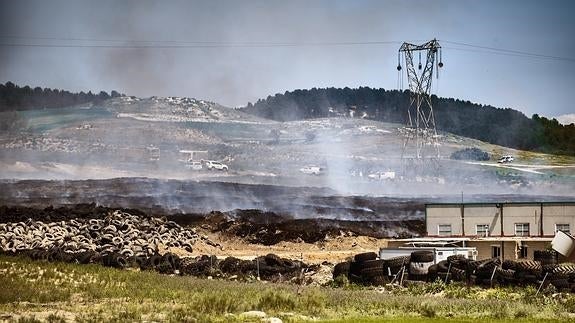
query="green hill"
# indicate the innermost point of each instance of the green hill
(505, 127)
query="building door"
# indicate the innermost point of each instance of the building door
(495, 251)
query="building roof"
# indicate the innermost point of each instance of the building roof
(435, 240)
(503, 202)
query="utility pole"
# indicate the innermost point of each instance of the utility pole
(421, 142)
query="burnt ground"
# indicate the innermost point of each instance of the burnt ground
(261, 214)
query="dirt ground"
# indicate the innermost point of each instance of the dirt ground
(332, 250)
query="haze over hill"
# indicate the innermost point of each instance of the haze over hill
(505, 127)
(331, 129)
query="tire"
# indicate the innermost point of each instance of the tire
(397, 262)
(458, 274)
(442, 266)
(509, 264)
(455, 258)
(273, 260)
(377, 263)
(560, 283)
(355, 268)
(505, 274)
(361, 257)
(341, 269)
(546, 256)
(367, 273)
(422, 256)
(565, 269)
(379, 281)
(529, 265)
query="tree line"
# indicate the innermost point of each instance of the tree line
(15, 98)
(505, 127)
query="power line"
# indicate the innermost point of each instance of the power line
(183, 44)
(509, 51)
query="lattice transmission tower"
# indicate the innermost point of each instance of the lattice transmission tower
(421, 141)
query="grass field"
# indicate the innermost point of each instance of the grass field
(57, 292)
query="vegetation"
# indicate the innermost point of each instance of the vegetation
(506, 127)
(13, 97)
(470, 154)
(90, 293)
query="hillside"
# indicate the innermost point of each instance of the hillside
(16, 98)
(505, 127)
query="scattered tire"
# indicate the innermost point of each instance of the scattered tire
(361, 257)
(422, 256)
(341, 269)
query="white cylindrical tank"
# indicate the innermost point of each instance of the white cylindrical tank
(563, 243)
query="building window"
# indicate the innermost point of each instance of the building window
(495, 251)
(444, 229)
(482, 230)
(523, 252)
(563, 227)
(522, 229)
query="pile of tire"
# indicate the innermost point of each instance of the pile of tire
(458, 268)
(269, 267)
(167, 263)
(117, 233)
(366, 269)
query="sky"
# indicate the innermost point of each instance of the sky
(228, 49)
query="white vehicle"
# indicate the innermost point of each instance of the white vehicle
(505, 159)
(194, 165)
(211, 165)
(382, 175)
(311, 170)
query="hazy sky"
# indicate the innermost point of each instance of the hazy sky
(233, 75)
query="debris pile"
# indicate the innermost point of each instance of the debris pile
(119, 234)
(366, 269)
(269, 267)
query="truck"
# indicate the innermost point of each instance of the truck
(215, 165)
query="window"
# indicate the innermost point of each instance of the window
(523, 252)
(444, 229)
(482, 230)
(522, 229)
(495, 251)
(562, 227)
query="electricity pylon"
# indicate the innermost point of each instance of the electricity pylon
(421, 141)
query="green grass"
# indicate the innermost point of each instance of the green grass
(89, 293)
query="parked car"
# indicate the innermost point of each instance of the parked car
(505, 159)
(311, 170)
(381, 175)
(211, 165)
(194, 165)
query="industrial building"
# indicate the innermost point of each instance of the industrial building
(509, 230)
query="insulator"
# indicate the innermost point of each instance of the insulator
(440, 64)
(399, 67)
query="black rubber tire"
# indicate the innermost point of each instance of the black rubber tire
(341, 269)
(505, 274)
(565, 269)
(273, 260)
(529, 265)
(456, 258)
(545, 256)
(422, 256)
(367, 273)
(379, 280)
(361, 257)
(377, 263)
(560, 283)
(458, 274)
(396, 262)
(509, 264)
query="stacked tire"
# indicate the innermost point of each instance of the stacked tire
(419, 264)
(366, 269)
